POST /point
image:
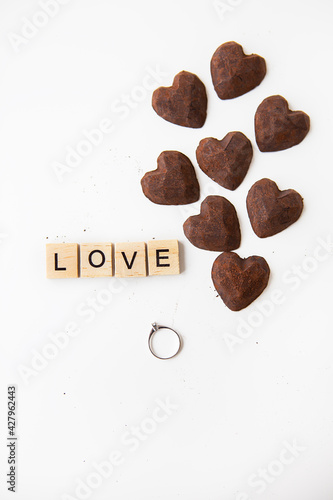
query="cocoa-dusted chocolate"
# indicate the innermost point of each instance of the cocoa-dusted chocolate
(277, 127)
(174, 182)
(216, 227)
(226, 161)
(184, 103)
(239, 281)
(233, 72)
(271, 210)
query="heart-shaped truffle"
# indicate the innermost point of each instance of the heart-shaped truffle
(226, 161)
(184, 103)
(216, 227)
(233, 72)
(277, 127)
(239, 281)
(271, 210)
(173, 182)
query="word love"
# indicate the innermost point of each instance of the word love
(131, 260)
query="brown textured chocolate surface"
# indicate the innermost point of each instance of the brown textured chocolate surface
(184, 103)
(277, 127)
(174, 182)
(226, 161)
(233, 72)
(239, 281)
(271, 210)
(216, 227)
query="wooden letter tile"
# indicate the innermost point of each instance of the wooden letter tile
(96, 260)
(130, 260)
(62, 260)
(163, 257)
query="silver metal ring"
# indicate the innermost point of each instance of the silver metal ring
(155, 328)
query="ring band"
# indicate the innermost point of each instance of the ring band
(155, 328)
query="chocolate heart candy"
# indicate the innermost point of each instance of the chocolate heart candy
(216, 227)
(271, 210)
(233, 72)
(173, 182)
(185, 103)
(226, 161)
(277, 127)
(239, 281)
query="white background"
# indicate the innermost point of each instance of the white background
(236, 408)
